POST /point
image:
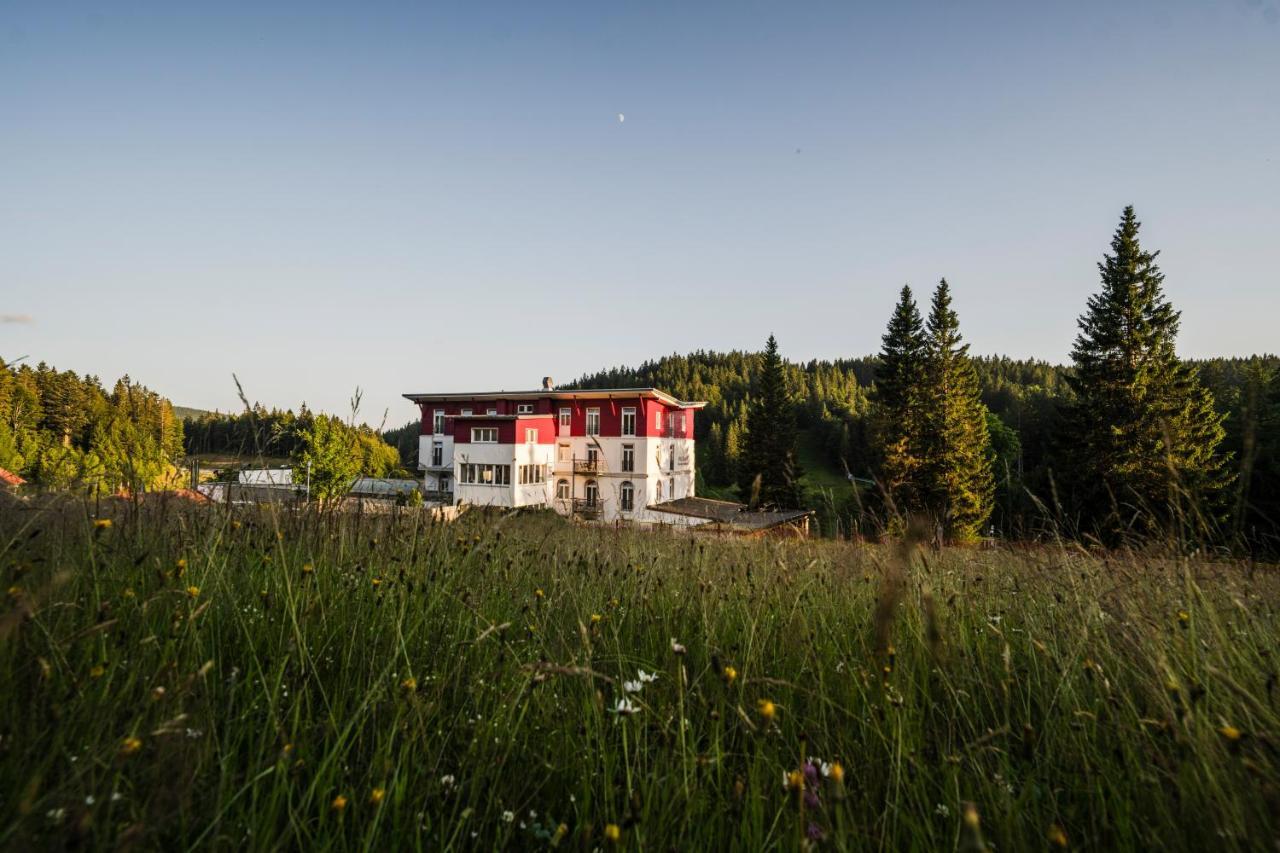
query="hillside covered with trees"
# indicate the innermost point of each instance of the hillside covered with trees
(62, 430)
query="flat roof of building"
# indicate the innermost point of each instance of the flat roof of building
(562, 394)
(729, 513)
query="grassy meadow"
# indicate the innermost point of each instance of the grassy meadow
(178, 677)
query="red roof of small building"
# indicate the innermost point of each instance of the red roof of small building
(10, 479)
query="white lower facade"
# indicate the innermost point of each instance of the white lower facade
(606, 479)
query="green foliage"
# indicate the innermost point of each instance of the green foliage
(768, 472)
(956, 485)
(269, 663)
(1143, 430)
(60, 431)
(897, 413)
(329, 457)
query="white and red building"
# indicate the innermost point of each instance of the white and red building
(607, 454)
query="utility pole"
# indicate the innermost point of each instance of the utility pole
(308, 481)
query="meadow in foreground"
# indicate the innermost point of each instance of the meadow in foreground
(189, 677)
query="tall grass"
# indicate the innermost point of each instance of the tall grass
(193, 678)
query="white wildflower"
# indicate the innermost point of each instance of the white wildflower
(507, 817)
(625, 707)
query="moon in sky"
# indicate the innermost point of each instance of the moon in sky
(621, 118)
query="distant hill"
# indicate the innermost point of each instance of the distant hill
(186, 413)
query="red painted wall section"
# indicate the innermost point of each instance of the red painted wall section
(647, 412)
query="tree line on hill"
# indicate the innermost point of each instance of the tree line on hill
(1127, 442)
(62, 430)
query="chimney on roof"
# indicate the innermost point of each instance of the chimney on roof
(547, 384)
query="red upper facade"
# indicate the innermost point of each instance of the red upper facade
(656, 414)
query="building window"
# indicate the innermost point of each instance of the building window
(593, 493)
(671, 487)
(532, 474)
(466, 413)
(437, 453)
(671, 463)
(659, 485)
(657, 422)
(437, 422)
(493, 412)
(484, 475)
(628, 457)
(484, 435)
(524, 409)
(562, 490)
(628, 421)
(628, 495)
(566, 417)
(593, 455)
(531, 435)
(564, 453)
(593, 421)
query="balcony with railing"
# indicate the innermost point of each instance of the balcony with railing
(587, 508)
(588, 466)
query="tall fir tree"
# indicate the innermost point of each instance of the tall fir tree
(895, 420)
(955, 480)
(1143, 432)
(769, 446)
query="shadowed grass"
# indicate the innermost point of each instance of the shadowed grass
(189, 677)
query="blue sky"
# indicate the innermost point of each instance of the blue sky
(412, 197)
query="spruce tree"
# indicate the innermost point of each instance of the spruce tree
(895, 422)
(1143, 432)
(769, 446)
(955, 480)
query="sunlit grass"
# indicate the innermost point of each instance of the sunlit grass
(304, 680)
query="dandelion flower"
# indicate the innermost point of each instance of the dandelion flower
(767, 710)
(130, 746)
(376, 795)
(730, 675)
(612, 833)
(193, 591)
(339, 803)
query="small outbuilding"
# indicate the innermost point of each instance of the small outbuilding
(731, 517)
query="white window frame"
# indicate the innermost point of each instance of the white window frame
(562, 490)
(627, 496)
(466, 413)
(591, 494)
(480, 435)
(437, 454)
(566, 417)
(659, 484)
(593, 414)
(657, 421)
(530, 435)
(629, 421)
(628, 457)
(437, 422)
(524, 408)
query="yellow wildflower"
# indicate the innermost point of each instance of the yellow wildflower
(307, 568)
(794, 780)
(1231, 733)
(1057, 837)
(376, 795)
(538, 593)
(612, 833)
(193, 591)
(595, 618)
(730, 675)
(1184, 617)
(767, 710)
(130, 746)
(561, 831)
(102, 523)
(339, 803)
(377, 582)
(409, 685)
(180, 567)
(235, 525)
(129, 593)
(836, 772)
(97, 671)
(971, 816)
